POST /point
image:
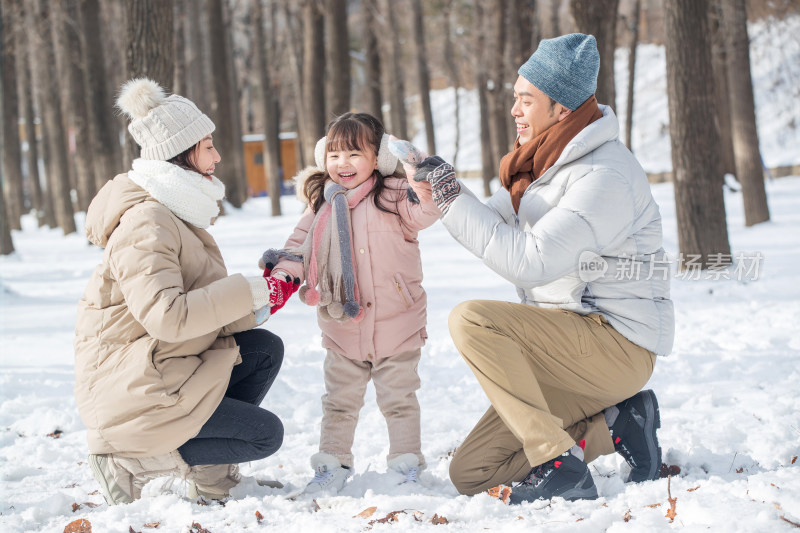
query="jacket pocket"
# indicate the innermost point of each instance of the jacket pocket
(402, 290)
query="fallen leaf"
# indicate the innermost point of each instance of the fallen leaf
(579, 520)
(55, 434)
(437, 520)
(654, 505)
(671, 514)
(519, 518)
(391, 517)
(693, 489)
(94, 492)
(501, 492)
(152, 525)
(131, 530)
(366, 513)
(794, 459)
(197, 528)
(72, 486)
(669, 470)
(740, 470)
(316, 505)
(259, 517)
(75, 507)
(81, 525)
(627, 516)
(418, 516)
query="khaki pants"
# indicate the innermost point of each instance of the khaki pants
(396, 382)
(549, 375)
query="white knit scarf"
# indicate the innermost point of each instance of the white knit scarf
(192, 197)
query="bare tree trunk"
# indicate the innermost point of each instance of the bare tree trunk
(113, 18)
(54, 136)
(338, 56)
(372, 60)
(196, 56)
(555, 18)
(313, 68)
(743, 115)
(702, 229)
(6, 27)
(393, 82)
(25, 92)
(148, 47)
(500, 118)
(179, 19)
(634, 26)
(226, 112)
(72, 65)
(103, 128)
(599, 18)
(423, 78)
(291, 33)
(719, 64)
(481, 79)
(272, 143)
(452, 73)
(27, 89)
(14, 203)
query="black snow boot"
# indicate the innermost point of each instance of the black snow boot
(566, 476)
(634, 435)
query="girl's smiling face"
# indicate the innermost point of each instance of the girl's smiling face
(351, 168)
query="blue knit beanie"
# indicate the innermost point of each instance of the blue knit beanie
(564, 68)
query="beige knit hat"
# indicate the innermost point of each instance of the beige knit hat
(164, 126)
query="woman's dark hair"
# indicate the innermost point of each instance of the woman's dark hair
(350, 131)
(184, 160)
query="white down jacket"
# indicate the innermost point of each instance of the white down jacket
(591, 210)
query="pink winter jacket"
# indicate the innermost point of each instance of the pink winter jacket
(389, 273)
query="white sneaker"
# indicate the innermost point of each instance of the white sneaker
(329, 474)
(407, 465)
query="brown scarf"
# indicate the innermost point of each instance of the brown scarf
(525, 163)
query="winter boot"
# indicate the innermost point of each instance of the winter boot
(634, 435)
(121, 479)
(407, 465)
(566, 476)
(212, 482)
(329, 474)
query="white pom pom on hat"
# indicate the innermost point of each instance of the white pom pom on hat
(387, 162)
(138, 96)
(164, 126)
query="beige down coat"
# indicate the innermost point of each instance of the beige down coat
(153, 345)
(388, 271)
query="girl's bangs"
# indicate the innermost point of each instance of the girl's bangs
(349, 135)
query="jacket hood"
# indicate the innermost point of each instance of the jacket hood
(107, 208)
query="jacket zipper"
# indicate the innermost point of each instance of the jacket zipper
(400, 290)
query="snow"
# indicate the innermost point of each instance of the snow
(728, 393)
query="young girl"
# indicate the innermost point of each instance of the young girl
(357, 241)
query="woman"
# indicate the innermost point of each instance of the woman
(169, 372)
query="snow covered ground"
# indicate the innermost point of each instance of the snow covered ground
(729, 399)
(728, 393)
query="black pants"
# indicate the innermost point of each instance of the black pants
(239, 430)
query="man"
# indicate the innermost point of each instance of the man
(576, 230)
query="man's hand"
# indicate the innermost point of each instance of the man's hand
(432, 169)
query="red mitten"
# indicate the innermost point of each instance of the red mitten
(282, 290)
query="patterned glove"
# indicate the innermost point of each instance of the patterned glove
(433, 169)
